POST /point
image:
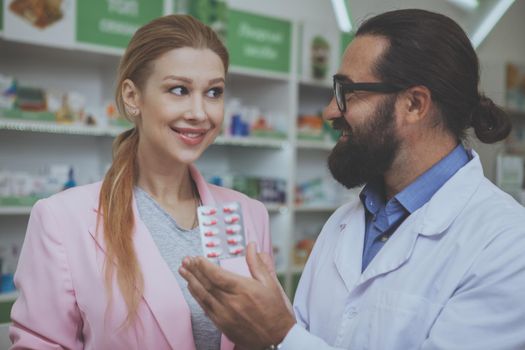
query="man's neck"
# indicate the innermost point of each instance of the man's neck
(413, 161)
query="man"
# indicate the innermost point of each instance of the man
(432, 254)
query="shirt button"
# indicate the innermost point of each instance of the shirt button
(351, 313)
(383, 238)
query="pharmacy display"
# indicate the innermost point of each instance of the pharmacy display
(43, 22)
(320, 54)
(113, 22)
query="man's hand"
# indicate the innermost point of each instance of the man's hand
(253, 313)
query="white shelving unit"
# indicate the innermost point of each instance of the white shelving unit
(90, 70)
(8, 297)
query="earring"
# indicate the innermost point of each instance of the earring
(133, 112)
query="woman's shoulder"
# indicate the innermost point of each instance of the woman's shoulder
(75, 197)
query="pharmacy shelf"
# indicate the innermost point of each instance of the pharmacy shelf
(8, 297)
(319, 145)
(316, 208)
(515, 113)
(15, 210)
(112, 131)
(276, 208)
(250, 142)
(316, 83)
(50, 127)
(258, 73)
(294, 269)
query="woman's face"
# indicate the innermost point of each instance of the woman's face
(181, 105)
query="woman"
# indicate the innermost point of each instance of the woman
(98, 269)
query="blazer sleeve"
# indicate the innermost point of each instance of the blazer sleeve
(45, 315)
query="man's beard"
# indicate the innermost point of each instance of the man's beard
(370, 149)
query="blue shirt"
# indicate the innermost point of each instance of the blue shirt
(382, 219)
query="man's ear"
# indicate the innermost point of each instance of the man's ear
(416, 103)
(131, 97)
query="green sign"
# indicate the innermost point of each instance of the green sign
(214, 13)
(113, 22)
(259, 42)
(346, 38)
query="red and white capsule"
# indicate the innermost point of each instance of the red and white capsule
(210, 232)
(232, 219)
(230, 208)
(236, 250)
(214, 253)
(209, 222)
(233, 229)
(212, 243)
(236, 239)
(208, 210)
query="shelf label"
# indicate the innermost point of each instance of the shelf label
(50, 23)
(258, 41)
(113, 22)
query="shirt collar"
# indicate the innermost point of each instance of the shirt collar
(415, 195)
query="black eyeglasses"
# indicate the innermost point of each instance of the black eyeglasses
(341, 88)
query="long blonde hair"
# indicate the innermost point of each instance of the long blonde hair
(115, 204)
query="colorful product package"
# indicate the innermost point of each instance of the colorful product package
(222, 231)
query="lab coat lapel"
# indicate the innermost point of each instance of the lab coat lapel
(395, 252)
(349, 249)
(431, 219)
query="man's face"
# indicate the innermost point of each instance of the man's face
(369, 142)
(368, 150)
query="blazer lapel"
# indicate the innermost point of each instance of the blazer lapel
(161, 291)
(208, 199)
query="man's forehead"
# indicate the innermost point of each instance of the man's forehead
(360, 57)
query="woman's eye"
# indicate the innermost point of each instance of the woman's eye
(179, 90)
(215, 92)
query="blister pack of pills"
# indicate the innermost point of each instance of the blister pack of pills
(222, 231)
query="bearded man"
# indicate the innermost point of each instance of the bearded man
(431, 254)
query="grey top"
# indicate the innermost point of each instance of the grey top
(174, 243)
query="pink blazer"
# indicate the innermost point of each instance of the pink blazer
(63, 300)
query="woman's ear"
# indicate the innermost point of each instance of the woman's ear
(131, 97)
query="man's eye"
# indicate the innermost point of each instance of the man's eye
(215, 92)
(179, 90)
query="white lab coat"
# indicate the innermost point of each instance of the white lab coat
(451, 277)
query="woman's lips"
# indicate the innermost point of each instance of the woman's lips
(190, 136)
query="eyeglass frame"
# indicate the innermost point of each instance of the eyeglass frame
(348, 87)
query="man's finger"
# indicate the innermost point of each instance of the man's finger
(268, 262)
(206, 300)
(257, 267)
(215, 277)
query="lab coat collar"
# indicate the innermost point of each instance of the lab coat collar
(448, 202)
(433, 218)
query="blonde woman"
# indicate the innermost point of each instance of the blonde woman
(98, 269)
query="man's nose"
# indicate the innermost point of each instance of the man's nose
(331, 111)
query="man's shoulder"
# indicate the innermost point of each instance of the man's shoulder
(491, 203)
